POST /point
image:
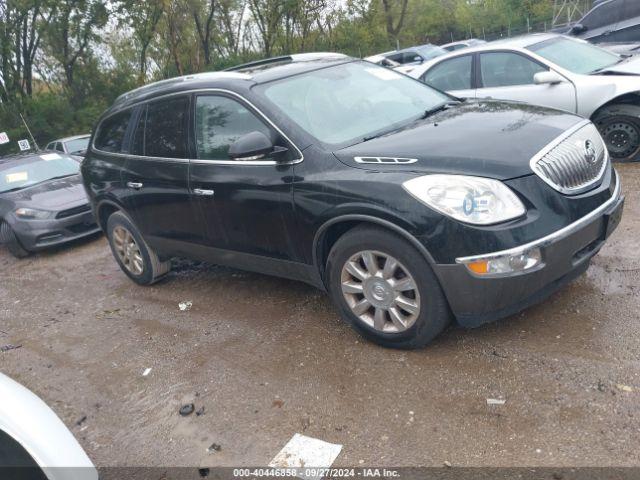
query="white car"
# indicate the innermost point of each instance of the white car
(34, 443)
(408, 58)
(550, 70)
(459, 45)
(382, 61)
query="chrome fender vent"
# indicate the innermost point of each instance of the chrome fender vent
(574, 162)
(385, 160)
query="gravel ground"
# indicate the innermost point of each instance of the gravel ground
(267, 358)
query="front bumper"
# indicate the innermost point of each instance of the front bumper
(40, 234)
(566, 254)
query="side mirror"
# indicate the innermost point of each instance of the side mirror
(547, 78)
(253, 146)
(577, 29)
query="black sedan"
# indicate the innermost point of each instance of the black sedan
(408, 206)
(42, 202)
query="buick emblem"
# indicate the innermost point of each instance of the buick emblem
(590, 153)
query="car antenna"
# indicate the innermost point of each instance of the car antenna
(23, 122)
(30, 134)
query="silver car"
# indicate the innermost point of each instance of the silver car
(550, 70)
(75, 145)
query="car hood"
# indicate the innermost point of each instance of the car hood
(628, 67)
(486, 138)
(52, 195)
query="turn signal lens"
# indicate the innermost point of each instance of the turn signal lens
(478, 267)
(507, 264)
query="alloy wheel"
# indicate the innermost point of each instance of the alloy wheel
(380, 291)
(127, 250)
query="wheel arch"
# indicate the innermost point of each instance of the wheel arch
(632, 98)
(330, 231)
(104, 210)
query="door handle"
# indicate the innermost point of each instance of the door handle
(204, 193)
(134, 185)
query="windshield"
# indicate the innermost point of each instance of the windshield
(77, 145)
(575, 56)
(343, 104)
(22, 173)
(431, 51)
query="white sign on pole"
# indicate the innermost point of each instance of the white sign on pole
(24, 145)
(4, 138)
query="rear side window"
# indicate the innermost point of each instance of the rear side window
(112, 131)
(220, 121)
(502, 69)
(166, 128)
(454, 74)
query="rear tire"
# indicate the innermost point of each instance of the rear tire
(619, 126)
(407, 306)
(9, 239)
(136, 259)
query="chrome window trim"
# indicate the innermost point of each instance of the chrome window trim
(553, 237)
(549, 147)
(199, 160)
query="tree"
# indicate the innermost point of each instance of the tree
(143, 17)
(204, 26)
(390, 10)
(71, 29)
(267, 15)
(21, 22)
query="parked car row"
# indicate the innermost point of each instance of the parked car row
(352, 177)
(550, 70)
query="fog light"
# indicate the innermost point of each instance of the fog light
(507, 264)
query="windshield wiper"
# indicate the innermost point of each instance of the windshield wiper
(620, 60)
(427, 113)
(382, 134)
(436, 109)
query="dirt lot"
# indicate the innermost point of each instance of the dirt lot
(268, 358)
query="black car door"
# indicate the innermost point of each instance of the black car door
(247, 204)
(156, 175)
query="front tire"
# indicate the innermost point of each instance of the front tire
(385, 289)
(619, 126)
(136, 259)
(9, 239)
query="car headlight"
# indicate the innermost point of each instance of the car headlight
(476, 200)
(32, 214)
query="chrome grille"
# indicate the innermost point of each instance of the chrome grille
(574, 162)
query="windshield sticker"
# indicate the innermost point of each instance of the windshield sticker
(16, 177)
(383, 73)
(50, 156)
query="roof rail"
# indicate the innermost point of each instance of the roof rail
(261, 63)
(176, 80)
(295, 57)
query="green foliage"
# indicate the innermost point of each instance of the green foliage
(64, 61)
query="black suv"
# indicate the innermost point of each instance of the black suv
(410, 207)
